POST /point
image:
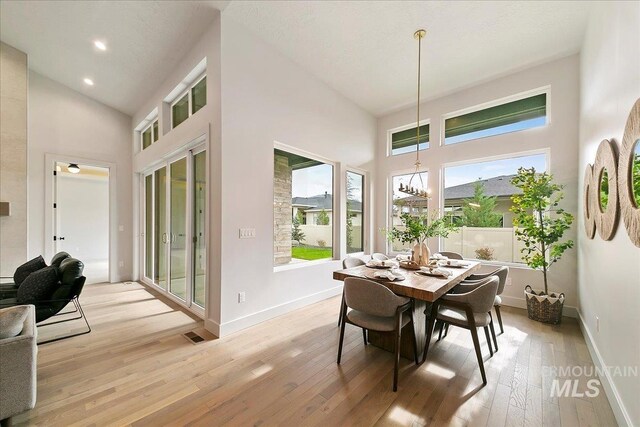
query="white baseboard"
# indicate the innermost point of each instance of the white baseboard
(620, 412)
(240, 323)
(567, 311)
(213, 327)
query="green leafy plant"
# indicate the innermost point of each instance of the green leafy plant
(418, 228)
(296, 233)
(479, 211)
(541, 223)
(322, 218)
(485, 253)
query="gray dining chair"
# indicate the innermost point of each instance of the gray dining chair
(451, 255)
(348, 262)
(374, 307)
(379, 257)
(470, 310)
(474, 279)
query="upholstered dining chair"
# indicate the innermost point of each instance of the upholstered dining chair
(474, 279)
(379, 257)
(374, 307)
(470, 310)
(451, 255)
(348, 262)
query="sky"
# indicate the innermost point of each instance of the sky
(457, 175)
(312, 181)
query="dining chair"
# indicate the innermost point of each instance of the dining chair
(451, 255)
(348, 262)
(470, 310)
(374, 307)
(379, 257)
(502, 273)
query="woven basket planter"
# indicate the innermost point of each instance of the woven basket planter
(544, 308)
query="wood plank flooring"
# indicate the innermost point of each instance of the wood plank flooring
(136, 368)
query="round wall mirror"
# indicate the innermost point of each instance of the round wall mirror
(635, 173)
(604, 190)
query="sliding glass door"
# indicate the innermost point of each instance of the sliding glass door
(174, 221)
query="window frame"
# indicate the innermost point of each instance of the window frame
(494, 103)
(389, 201)
(188, 92)
(544, 151)
(336, 223)
(365, 210)
(149, 126)
(390, 133)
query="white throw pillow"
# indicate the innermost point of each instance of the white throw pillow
(12, 321)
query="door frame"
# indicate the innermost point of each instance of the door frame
(50, 160)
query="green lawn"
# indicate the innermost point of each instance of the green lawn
(310, 253)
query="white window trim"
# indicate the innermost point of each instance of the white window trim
(505, 100)
(547, 154)
(153, 133)
(188, 92)
(335, 215)
(390, 132)
(389, 198)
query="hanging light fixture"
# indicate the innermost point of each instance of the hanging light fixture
(417, 188)
(73, 168)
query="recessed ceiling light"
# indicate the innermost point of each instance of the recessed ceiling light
(88, 81)
(100, 45)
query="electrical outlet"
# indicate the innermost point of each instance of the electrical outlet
(242, 297)
(597, 324)
(247, 233)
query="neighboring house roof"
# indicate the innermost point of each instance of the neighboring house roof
(499, 186)
(320, 202)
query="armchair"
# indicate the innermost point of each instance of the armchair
(18, 368)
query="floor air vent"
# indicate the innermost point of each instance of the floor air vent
(194, 338)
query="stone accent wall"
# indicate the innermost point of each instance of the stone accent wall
(13, 157)
(282, 220)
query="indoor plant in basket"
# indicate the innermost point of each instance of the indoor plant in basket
(541, 225)
(417, 229)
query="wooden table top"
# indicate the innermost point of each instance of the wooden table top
(425, 288)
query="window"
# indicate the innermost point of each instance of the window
(404, 140)
(355, 212)
(302, 209)
(508, 117)
(189, 103)
(199, 95)
(404, 203)
(150, 134)
(477, 197)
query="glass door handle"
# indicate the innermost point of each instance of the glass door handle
(164, 237)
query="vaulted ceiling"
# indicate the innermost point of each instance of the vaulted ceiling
(362, 49)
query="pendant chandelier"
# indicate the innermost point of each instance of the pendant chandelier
(417, 188)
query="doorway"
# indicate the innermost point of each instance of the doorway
(173, 222)
(81, 216)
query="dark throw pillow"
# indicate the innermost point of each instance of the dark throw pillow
(39, 286)
(70, 270)
(58, 258)
(27, 268)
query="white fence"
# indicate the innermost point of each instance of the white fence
(315, 233)
(502, 241)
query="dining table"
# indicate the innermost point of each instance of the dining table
(423, 289)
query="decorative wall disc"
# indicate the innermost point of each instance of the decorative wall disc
(629, 175)
(605, 204)
(587, 203)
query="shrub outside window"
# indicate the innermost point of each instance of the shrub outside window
(477, 197)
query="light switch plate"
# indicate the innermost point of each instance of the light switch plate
(247, 233)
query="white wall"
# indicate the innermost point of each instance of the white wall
(609, 272)
(67, 123)
(560, 137)
(267, 98)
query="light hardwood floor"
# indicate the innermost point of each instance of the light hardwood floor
(136, 368)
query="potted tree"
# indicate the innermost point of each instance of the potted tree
(541, 224)
(417, 229)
